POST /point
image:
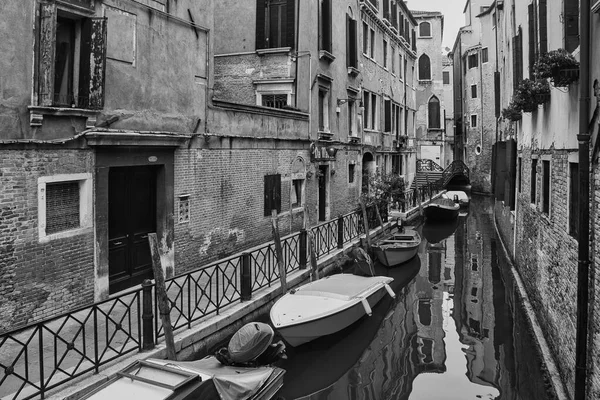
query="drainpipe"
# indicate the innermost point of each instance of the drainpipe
(584, 205)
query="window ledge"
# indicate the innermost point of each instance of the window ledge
(353, 71)
(435, 129)
(325, 135)
(425, 37)
(327, 56)
(277, 50)
(425, 81)
(36, 114)
(353, 139)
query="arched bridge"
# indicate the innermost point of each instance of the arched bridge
(429, 172)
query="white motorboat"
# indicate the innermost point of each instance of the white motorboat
(397, 248)
(327, 306)
(458, 196)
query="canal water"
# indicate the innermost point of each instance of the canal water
(454, 331)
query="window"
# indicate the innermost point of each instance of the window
(351, 43)
(297, 192)
(274, 100)
(533, 179)
(543, 26)
(396, 119)
(574, 200)
(424, 29)
(473, 91)
(323, 109)
(272, 194)
(425, 312)
(484, 55)
(517, 49)
(474, 121)
(446, 77)
(473, 61)
(433, 112)
(64, 206)
(400, 74)
(387, 115)
(386, 10)
(72, 59)
(325, 25)
(424, 68)
(183, 209)
(385, 54)
(546, 186)
(365, 38)
(494, 20)
(372, 42)
(351, 172)
(370, 112)
(352, 129)
(368, 41)
(520, 172)
(393, 59)
(274, 24)
(571, 24)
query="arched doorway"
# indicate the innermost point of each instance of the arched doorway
(368, 168)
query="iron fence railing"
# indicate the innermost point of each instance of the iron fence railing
(45, 355)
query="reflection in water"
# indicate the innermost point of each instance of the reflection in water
(447, 335)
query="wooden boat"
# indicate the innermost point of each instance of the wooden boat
(458, 196)
(206, 379)
(441, 209)
(327, 306)
(397, 248)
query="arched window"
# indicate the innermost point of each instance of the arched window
(433, 111)
(425, 29)
(424, 68)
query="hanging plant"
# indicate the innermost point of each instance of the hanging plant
(512, 112)
(558, 65)
(531, 93)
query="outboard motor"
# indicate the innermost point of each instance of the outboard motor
(251, 346)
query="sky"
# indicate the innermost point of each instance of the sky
(453, 16)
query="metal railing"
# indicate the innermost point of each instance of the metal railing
(47, 354)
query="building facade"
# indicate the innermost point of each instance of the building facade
(474, 106)
(537, 171)
(435, 135)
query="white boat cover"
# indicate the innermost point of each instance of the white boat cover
(232, 383)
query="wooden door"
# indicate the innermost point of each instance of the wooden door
(131, 216)
(322, 192)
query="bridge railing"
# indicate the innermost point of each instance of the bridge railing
(426, 164)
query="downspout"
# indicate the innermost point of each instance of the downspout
(584, 205)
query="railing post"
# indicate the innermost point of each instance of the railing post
(147, 316)
(246, 277)
(340, 232)
(302, 249)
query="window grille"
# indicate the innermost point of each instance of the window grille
(274, 100)
(62, 206)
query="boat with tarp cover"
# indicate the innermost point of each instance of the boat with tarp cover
(441, 209)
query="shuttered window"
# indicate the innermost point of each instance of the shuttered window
(272, 194)
(571, 22)
(274, 24)
(574, 200)
(62, 206)
(424, 68)
(351, 43)
(543, 25)
(446, 77)
(325, 26)
(517, 59)
(532, 21)
(546, 187)
(425, 29)
(387, 105)
(65, 79)
(433, 112)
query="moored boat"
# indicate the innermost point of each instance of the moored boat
(397, 248)
(458, 196)
(327, 306)
(441, 209)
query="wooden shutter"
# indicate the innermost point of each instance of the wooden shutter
(97, 62)
(571, 21)
(353, 43)
(277, 192)
(511, 173)
(268, 198)
(260, 24)
(291, 24)
(531, 26)
(388, 116)
(574, 200)
(533, 180)
(47, 53)
(497, 93)
(326, 25)
(500, 170)
(543, 25)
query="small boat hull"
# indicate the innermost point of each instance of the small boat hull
(398, 248)
(312, 311)
(441, 209)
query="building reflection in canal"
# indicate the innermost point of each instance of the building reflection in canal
(448, 335)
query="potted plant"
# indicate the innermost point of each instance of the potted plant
(531, 93)
(512, 112)
(559, 65)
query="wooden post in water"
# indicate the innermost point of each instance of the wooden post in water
(314, 268)
(164, 305)
(379, 219)
(365, 223)
(278, 251)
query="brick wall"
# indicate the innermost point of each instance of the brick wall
(546, 258)
(38, 280)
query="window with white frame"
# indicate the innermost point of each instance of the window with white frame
(183, 209)
(474, 121)
(370, 112)
(425, 30)
(352, 112)
(323, 108)
(297, 198)
(385, 54)
(393, 59)
(64, 206)
(274, 93)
